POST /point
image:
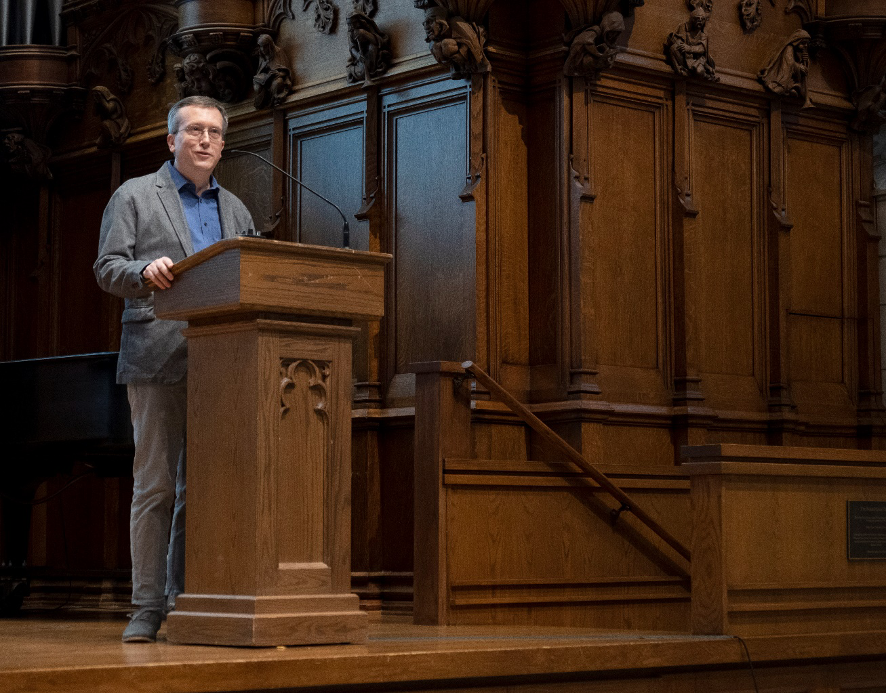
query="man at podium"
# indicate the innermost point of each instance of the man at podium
(149, 224)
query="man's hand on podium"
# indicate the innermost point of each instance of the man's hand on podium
(157, 275)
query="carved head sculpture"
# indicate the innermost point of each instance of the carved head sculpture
(13, 141)
(750, 14)
(612, 26)
(436, 25)
(800, 43)
(265, 46)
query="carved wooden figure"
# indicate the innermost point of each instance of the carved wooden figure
(456, 42)
(273, 81)
(27, 156)
(115, 124)
(196, 76)
(687, 46)
(869, 108)
(325, 12)
(367, 7)
(370, 49)
(786, 74)
(593, 49)
(750, 14)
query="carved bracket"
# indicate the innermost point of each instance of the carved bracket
(592, 49)
(272, 81)
(369, 50)
(216, 61)
(786, 73)
(455, 41)
(112, 112)
(35, 93)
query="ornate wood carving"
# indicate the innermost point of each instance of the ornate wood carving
(279, 10)
(367, 7)
(34, 93)
(786, 74)
(593, 48)
(214, 63)
(110, 45)
(456, 42)
(325, 14)
(369, 47)
(687, 46)
(805, 9)
(272, 81)
(115, 124)
(750, 15)
(27, 157)
(318, 373)
(860, 46)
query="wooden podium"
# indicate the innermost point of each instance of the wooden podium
(269, 440)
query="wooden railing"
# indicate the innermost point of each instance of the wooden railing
(552, 439)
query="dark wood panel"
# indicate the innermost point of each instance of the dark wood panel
(251, 180)
(326, 149)
(431, 233)
(623, 260)
(725, 245)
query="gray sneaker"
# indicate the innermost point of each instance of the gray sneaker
(143, 625)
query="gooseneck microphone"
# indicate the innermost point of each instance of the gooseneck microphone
(346, 233)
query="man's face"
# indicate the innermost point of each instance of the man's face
(196, 156)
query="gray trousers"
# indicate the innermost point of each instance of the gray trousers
(157, 516)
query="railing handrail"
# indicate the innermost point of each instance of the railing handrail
(562, 446)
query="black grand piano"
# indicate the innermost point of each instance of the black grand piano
(55, 413)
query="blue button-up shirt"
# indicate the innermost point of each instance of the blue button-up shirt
(201, 212)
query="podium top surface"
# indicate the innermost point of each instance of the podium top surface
(248, 275)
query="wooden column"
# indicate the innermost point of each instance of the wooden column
(443, 419)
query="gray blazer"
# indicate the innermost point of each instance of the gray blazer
(143, 221)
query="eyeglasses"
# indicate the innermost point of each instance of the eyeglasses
(196, 132)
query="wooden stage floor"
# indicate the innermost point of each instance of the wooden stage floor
(75, 651)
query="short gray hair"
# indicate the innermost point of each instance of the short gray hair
(172, 119)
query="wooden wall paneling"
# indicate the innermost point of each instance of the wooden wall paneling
(727, 250)
(772, 537)
(822, 340)
(326, 150)
(627, 242)
(532, 542)
(89, 318)
(258, 185)
(691, 417)
(22, 271)
(432, 308)
(443, 420)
